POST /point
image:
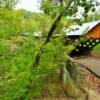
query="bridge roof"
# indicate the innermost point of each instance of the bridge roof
(77, 30)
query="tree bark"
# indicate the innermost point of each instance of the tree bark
(68, 85)
(50, 33)
(56, 22)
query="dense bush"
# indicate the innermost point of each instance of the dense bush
(17, 53)
(10, 22)
(15, 70)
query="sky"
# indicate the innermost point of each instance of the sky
(33, 5)
(30, 5)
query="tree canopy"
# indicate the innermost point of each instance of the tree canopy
(8, 3)
(53, 7)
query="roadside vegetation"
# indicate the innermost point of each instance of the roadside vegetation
(33, 67)
(96, 49)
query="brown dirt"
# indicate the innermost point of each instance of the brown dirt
(53, 89)
(95, 54)
(93, 81)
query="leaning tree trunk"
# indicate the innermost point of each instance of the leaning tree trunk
(67, 81)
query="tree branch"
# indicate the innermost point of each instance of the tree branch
(56, 22)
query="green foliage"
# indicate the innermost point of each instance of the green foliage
(94, 16)
(54, 7)
(35, 21)
(8, 3)
(15, 69)
(15, 22)
(51, 60)
(50, 8)
(10, 22)
(17, 52)
(17, 72)
(96, 48)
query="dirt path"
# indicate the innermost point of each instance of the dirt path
(93, 64)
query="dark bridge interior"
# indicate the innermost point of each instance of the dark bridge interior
(84, 48)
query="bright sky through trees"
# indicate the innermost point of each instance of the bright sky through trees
(33, 5)
(30, 5)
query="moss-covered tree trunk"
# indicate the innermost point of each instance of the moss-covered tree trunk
(67, 82)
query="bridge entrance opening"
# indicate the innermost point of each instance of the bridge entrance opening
(85, 48)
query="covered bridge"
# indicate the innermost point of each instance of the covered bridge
(90, 31)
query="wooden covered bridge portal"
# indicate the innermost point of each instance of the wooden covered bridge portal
(84, 37)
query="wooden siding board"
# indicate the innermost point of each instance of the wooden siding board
(95, 32)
